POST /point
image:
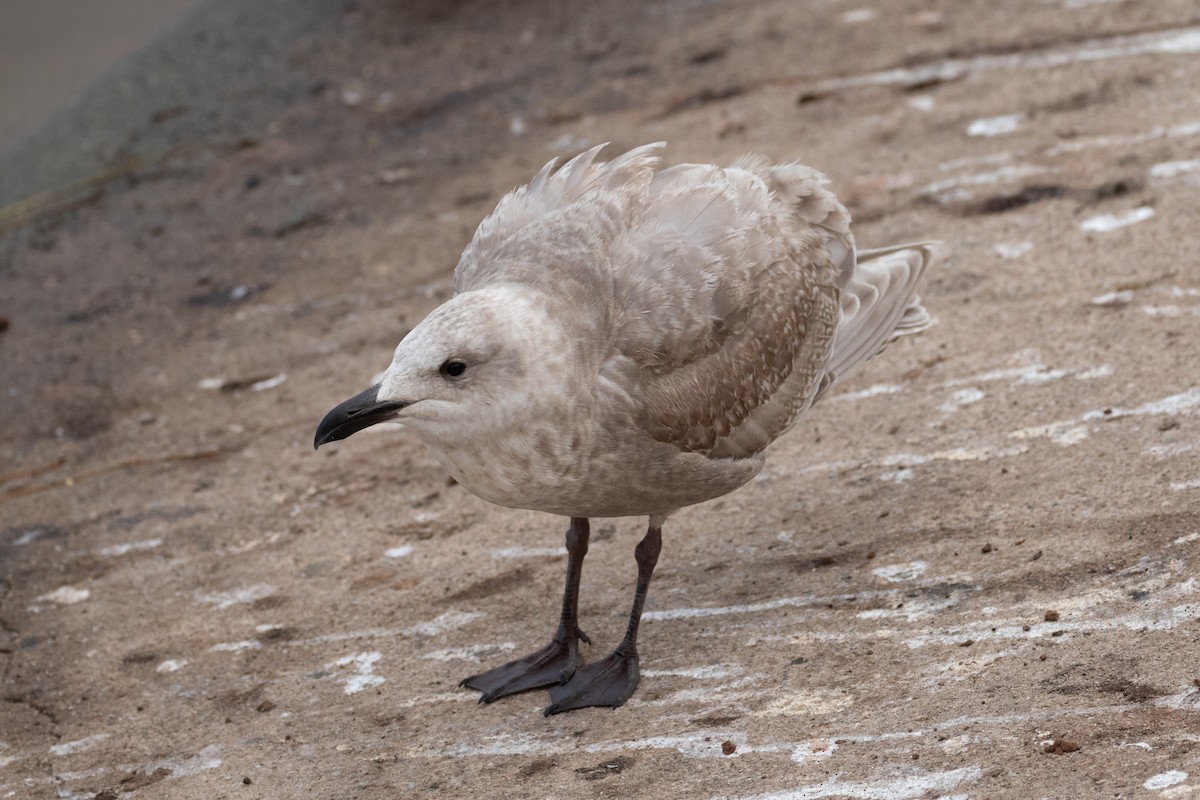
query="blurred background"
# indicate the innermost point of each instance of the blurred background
(50, 50)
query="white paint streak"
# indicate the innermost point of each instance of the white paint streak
(527, 552)
(475, 653)
(1171, 311)
(1031, 374)
(399, 552)
(503, 744)
(1011, 250)
(364, 668)
(701, 744)
(72, 775)
(1102, 371)
(693, 745)
(1164, 779)
(1113, 299)
(957, 745)
(178, 767)
(960, 398)
(1181, 41)
(911, 785)
(897, 573)
(922, 102)
(77, 746)
(912, 610)
(898, 475)
(1185, 485)
(28, 537)
(247, 594)
(1186, 698)
(804, 752)
(719, 611)
(994, 126)
(181, 768)
(343, 636)
(1063, 433)
(445, 697)
(918, 784)
(1001, 175)
(856, 16)
(66, 595)
(130, 547)
(1182, 403)
(1034, 716)
(235, 647)
(954, 454)
(871, 391)
(1183, 130)
(902, 462)
(269, 383)
(444, 622)
(961, 669)
(171, 665)
(728, 692)
(973, 161)
(815, 702)
(1161, 619)
(1073, 431)
(1103, 223)
(801, 601)
(1173, 169)
(707, 672)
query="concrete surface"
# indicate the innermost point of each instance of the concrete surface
(969, 573)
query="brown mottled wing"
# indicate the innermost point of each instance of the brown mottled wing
(729, 310)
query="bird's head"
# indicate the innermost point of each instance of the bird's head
(475, 364)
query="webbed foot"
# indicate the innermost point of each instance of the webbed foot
(608, 682)
(552, 665)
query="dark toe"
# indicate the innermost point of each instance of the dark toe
(549, 666)
(608, 682)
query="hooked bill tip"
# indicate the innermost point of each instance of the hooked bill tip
(359, 412)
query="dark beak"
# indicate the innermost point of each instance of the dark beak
(361, 411)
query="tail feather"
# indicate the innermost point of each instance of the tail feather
(879, 304)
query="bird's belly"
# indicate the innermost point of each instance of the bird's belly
(511, 472)
(616, 483)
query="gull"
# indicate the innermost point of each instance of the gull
(626, 340)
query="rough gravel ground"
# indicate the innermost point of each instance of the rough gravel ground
(969, 573)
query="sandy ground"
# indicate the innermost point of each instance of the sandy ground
(969, 573)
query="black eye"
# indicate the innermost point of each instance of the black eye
(453, 368)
